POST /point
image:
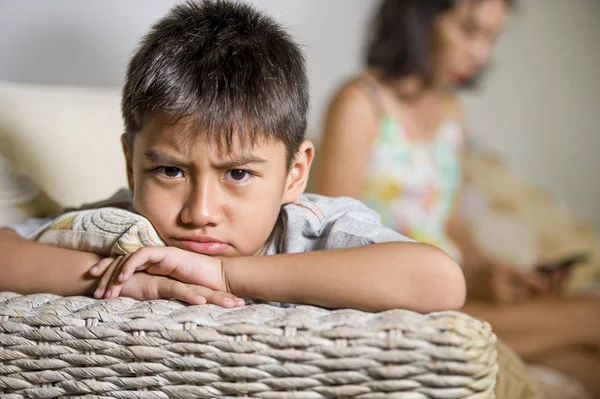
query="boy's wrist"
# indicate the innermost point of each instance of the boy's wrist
(225, 264)
(230, 268)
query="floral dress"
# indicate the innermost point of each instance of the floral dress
(413, 183)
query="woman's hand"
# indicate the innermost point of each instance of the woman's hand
(504, 284)
(554, 280)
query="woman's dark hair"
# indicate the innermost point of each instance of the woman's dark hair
(400, 41)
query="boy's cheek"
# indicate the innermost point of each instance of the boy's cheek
(147, 203)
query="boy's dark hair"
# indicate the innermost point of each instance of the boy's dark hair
(400, 39)
(226, 68)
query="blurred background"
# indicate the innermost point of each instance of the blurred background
(539, 106)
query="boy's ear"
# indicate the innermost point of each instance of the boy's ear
(128, 161)
(297, 177)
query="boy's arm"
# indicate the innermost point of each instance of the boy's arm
(30, 267)
(332, 253)
(373, 277)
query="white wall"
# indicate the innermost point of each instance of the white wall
(88, 42)
(540, 105)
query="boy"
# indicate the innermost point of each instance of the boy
(215, 108)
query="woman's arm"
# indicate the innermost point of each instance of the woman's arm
(545, 325)
(486, 279)
(29, 267)
(349, 132)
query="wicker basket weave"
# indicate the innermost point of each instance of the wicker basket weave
(52, 346)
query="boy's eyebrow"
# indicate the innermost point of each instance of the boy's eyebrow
(162, 158)
(239, 160)
(235, 161)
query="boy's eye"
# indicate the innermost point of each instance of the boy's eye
(237, 175)
(169, 171)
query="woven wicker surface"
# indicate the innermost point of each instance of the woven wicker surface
(53, 346)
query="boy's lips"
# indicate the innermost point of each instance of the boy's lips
(202, 245)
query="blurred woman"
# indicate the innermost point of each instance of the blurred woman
(394, 137)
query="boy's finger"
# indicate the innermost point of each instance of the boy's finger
(99, 268)
(119, 270)
(240, 302)
(113, 281)
(182, 292)
(103, 282)
(223, 299)
(141, 260)
(114, 290)
(123, 273)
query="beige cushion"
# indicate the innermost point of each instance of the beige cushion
(507, 238)
(66, 139)
(520, 222)
(21, 198)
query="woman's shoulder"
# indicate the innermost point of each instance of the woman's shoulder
(352, 89)
(352, 98)
(357, 96)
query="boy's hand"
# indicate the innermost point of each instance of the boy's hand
(185, 266)
(144, 286)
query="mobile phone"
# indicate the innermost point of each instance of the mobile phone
(563, 264)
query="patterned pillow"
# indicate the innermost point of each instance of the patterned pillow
(104, 231)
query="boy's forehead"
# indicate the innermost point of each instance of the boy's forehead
(186, 137)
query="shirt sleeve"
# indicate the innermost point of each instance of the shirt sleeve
(315, 222)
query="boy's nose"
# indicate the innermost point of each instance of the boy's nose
(203, 206)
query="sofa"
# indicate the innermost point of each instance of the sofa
(61, 148)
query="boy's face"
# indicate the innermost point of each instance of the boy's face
(201, 198)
